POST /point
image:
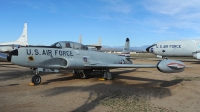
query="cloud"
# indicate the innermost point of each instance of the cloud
(181, 14)
(103, 17)
(42, 6)
(172, 7)
(118, 6)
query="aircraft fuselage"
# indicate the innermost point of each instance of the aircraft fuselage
(176, 48)
(66, 58)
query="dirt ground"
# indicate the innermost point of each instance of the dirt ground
(143, 89)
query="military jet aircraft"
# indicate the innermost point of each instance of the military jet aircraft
(176, 48)
(75, 56)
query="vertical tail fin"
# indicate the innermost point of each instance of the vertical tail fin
(24, 37)
(126, 50)
(99, 42)
(80, 39)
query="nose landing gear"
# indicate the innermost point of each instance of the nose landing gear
(36, 79)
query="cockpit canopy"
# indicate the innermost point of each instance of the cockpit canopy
(69, 44)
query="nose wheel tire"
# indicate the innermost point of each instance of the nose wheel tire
(36, 79)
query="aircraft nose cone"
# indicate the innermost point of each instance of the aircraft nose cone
(150, 48)
(9, 56)
(147, 49)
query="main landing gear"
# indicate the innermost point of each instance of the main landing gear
(82, 73)
(107, 75)
(79, 74)
(36, 79)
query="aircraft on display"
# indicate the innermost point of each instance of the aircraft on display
(80, 39)
(176, 48)
(6, 47)
(74, 56)
(21, 41)
(97, 46)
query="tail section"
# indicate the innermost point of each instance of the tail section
(23, 39)
(126, 50)
(80, 39)
(99, 42)
(96, 46)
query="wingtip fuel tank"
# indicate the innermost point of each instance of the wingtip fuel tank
(170, 66)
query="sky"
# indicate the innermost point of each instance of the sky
(144, 22)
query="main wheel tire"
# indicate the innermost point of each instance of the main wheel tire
(36, 79)
(82, 75)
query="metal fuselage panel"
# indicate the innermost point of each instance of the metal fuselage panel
(46, 57)
(176, 48)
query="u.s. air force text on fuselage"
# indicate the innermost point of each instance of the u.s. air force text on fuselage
(49, 52)
(168, 46)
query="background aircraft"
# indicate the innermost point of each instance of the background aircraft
(6, 47)
(176, 48)
(21, 41)
(75, 56)
(97, 46)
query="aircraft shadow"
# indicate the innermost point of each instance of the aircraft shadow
(109, 92)
(18, 74)
(116, 74)
(115, 91)
(13, 75)
(58, 79)
(10, 85)
(93, 75)
(6, 66)
(6, 63)
(196, 63)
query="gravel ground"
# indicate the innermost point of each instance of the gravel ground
(131, 90)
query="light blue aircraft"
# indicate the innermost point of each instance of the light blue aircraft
(75, 56)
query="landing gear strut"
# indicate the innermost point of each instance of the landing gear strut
(36, 79)
(79, 73)
(82, 73)
(107, 75)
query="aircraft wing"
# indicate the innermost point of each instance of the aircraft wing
(5, 45)
(120, 66)
(13, 45)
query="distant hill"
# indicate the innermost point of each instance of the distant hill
(119, 48)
